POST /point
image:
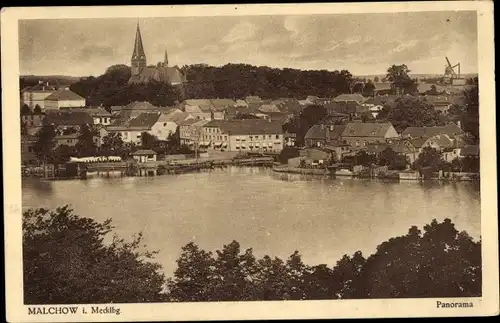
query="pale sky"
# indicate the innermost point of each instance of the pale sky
(361, 43)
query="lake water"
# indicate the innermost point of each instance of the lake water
(275, 214)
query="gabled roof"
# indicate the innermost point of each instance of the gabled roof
(418, 142)
(192, 109)
(145, 120)
(176, 116)
(343, 107)
(253, 99)
(220, 104)
(196, 102)
(443, 141)
(64, 95)
(241, 103)
(188, 122)
(400, 147)
(382, 99)
(164, 74)
(67, 118)
(40, 87)
(450, 129)
(136, 105)
(370, 129)
(350, 97)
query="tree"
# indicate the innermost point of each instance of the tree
(392, 160)
(429, 159)
(369, 89)
(398, 75)
(358, 87)
(363, 158)
(25, 109)
(63, 153)
(45, 144)
(85, 144)
(112, 144)
(376, 79)
(66, 262)
(37, 109)
(441, 262)
(193, 278)
(412, 112)
(471, 116)
(148, 140)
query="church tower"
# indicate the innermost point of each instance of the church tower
(138, 61)
(165, 61)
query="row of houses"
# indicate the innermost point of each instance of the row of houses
(374, 138)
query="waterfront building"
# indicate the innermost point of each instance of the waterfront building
(359, 134)
(321, 135)
(64, 98)
(191, 131)
(144, 155)
(248, 135)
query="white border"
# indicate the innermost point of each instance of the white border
(488, 304)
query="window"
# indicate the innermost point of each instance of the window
(256, 137)
(70, 141)
(164, 124)
(225, 137)
(30, 149)
(277, 136)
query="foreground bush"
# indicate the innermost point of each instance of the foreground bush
(66, 261)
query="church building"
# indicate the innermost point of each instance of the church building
(142, 73)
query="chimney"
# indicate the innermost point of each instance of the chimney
(459, 124)
(331, 127)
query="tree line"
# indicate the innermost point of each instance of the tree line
(66, 261)
(229, 81)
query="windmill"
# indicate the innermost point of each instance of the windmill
(449, 71)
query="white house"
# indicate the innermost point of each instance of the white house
(63, 99)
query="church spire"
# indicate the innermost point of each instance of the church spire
(138, 48)
(138, 61)
(165, 61)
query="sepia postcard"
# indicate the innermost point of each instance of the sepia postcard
(257, 161)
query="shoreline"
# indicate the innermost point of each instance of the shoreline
(315, 171)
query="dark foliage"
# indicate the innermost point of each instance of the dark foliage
(66, 262)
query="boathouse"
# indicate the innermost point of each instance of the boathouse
(144, 155)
